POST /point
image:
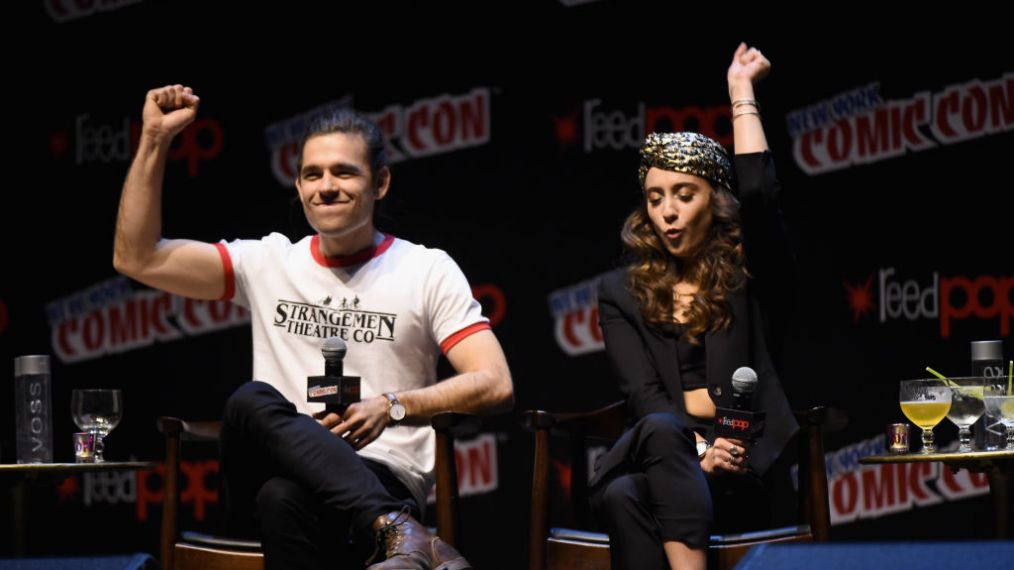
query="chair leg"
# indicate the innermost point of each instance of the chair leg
(447, 489)
(539, 525)
(814, 507)
(170, 495)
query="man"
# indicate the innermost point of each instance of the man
(313, 481)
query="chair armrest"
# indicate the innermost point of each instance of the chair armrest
(815, 416)
(456, 424)
(189, 431)
(607, 422)
(537, 419)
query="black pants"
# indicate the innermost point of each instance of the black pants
(654, 490)
(304, 491)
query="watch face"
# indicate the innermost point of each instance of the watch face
(397, 412)
(702, 446)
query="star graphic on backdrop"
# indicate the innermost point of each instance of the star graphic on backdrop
(565, 130)
(860, 298)
(68, 488)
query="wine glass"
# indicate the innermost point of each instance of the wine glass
(966, 407)
(999, 400)
(925, 403)
(96, 412)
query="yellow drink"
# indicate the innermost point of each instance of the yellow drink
(925, 414)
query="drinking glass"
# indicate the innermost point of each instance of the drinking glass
(97, 412)
(966, 407)
(925, 403)
(999, 401)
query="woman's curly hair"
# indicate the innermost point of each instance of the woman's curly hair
(717, 266)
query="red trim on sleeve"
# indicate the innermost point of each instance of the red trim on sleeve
(459, 336)
(361, 256)
(230, 274)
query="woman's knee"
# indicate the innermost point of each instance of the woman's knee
(666, 431)
(618, 500)
(662, 421)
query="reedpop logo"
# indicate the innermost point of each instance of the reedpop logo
(598, 126)
(94, 141)
(948, 299)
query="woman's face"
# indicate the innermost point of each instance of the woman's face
(679, 206)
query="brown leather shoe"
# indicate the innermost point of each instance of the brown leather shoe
(409, 546)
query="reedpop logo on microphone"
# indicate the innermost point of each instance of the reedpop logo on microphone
(948, 299)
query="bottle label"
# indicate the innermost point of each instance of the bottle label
(33, 419)
(987, 368)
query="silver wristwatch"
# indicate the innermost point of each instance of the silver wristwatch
(702, 447)
(395, 409)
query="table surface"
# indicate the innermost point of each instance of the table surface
(953, 457)
(74, 467)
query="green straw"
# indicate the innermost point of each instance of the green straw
(1010, 377)
(941, 376)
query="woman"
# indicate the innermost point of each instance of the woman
(677, 322)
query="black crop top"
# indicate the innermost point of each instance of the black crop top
(693, 360)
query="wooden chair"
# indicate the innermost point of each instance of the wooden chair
(563, 548)
(186, 550)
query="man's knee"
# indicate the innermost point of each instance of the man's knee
(247, 398)
(281, 497)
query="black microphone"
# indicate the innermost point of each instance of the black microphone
(740, 421)
(335, 390)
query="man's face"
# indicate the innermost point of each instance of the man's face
(336, 186)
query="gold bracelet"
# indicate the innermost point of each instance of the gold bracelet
(734, 115)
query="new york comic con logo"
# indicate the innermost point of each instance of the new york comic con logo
(948, 299)
(332, 318)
